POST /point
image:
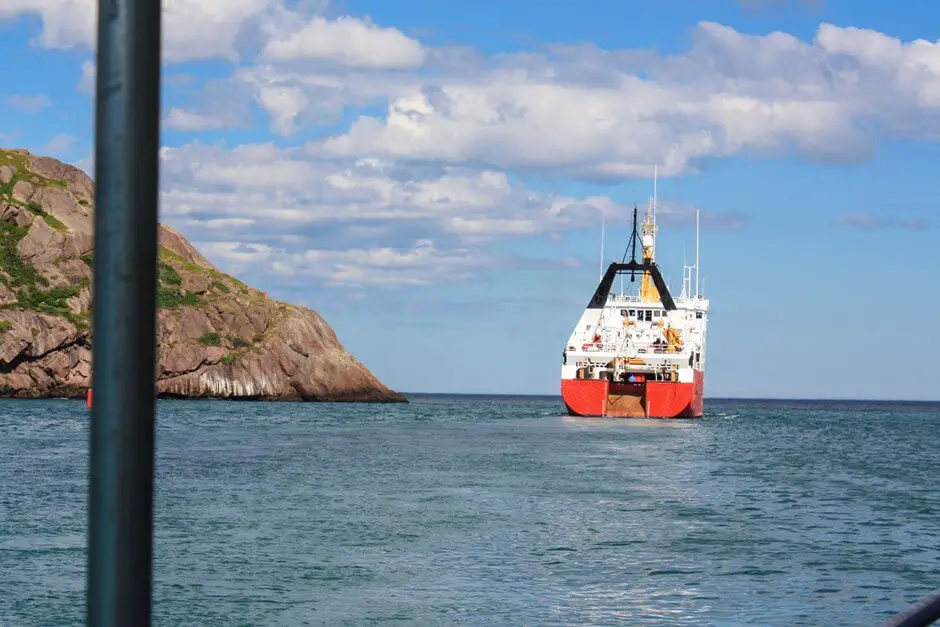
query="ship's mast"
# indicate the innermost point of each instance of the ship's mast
(648, 292)
(697, 293)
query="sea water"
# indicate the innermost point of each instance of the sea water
(492, 511)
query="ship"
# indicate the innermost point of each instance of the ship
(642, 354)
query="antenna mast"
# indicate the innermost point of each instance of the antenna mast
(697, 212)
(655, 176)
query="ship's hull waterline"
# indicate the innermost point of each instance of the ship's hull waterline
(652, 399)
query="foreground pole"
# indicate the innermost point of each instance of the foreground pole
(127, 135)
(924, 612)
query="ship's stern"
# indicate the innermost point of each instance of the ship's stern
(645, 399)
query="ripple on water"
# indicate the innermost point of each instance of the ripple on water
(476, 511)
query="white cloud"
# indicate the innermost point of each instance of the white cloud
(222, 223)
(912, 69)
(65, 23)
(327, 95)
(493, 226)
(286, 184)
(29, 104)
(283, 104)
(192, 29)
(229, 29)
(453, 127)
(208, 29)
(420, 264)
(572, 110)
(595, 114)
(237, 251)
(287, 203)
(347, 40)
(181, 120)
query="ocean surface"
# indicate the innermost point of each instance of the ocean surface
(493, 511)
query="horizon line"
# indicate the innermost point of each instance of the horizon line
(707, 398)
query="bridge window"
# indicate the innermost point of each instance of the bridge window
(623, 313)
(698, 315)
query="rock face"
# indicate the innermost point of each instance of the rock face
(218, 338)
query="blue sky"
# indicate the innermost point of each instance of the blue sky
(431, 176)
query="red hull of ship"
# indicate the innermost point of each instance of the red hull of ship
(653, 399)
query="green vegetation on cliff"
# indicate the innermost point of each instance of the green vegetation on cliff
(19, 274)
(20, 164)
(217, 337)
(50, 220)
(170, 293)
(30, 287)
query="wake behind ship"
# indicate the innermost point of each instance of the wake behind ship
(638, 355)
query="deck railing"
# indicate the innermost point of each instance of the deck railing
(617, 346)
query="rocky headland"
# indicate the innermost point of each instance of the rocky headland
(217, 337)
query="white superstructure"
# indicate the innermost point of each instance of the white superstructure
(637, 334)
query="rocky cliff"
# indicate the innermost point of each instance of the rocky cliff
(217, 336)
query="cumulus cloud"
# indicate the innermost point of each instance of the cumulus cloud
(347, 40)
(291, 186)
(65, 23)
(182, 120)
(283, 210)
(421, 263)
(575, 110)
(444, 138)
(730, 94)
(572, 110)
(208, 29)
(231, 29)
(283, 105)
(417, 263)
(581, 111)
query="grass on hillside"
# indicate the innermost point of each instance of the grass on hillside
(29, 285)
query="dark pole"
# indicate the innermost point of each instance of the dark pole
(924, 612)
(127, 137)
